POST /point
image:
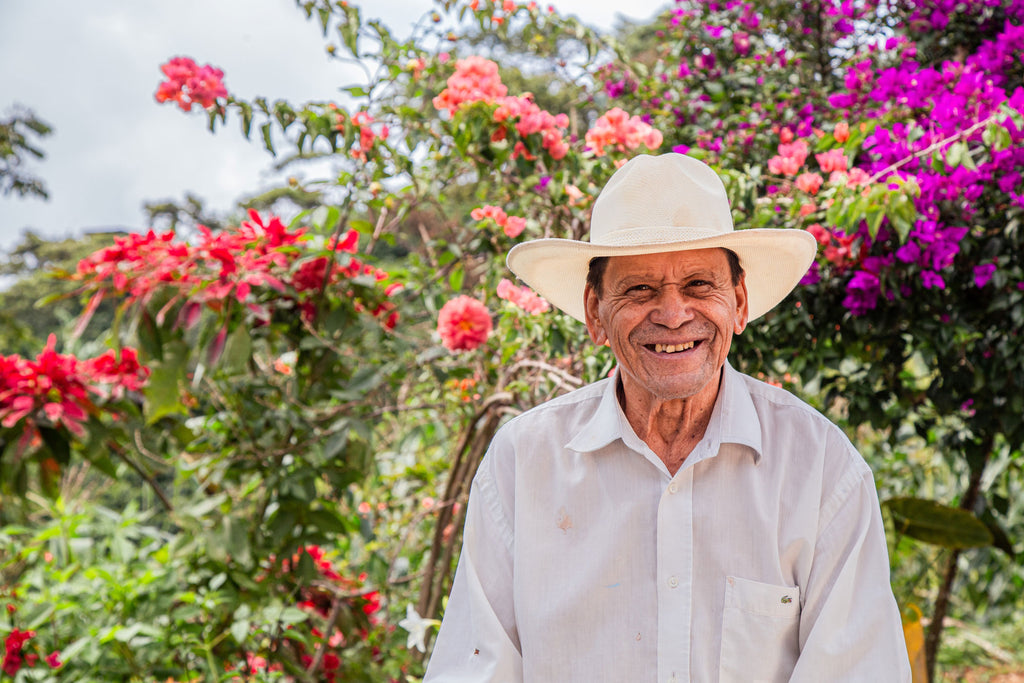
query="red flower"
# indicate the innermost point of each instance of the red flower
(464, 324)
(56, 388)
(13, 645)
(188, 83)
(53, 659)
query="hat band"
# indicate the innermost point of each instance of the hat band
(632, 237)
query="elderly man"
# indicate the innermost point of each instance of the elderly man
(678, 521)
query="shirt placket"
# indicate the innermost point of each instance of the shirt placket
(675, 577)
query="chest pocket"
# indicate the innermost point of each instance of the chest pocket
(760, 632)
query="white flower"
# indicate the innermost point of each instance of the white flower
(417, 627)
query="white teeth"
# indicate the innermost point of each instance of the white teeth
(672, 348)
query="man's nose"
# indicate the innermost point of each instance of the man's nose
(672, 308)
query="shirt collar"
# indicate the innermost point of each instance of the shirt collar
(603, 426)
(734, 419)
(737, 418)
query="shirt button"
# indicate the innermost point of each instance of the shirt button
(673, 582)
(673, 487)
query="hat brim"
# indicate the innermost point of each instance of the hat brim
(773, 260)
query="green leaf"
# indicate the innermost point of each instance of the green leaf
(938, 524)
(205, 506)
(237, 351)
(246, 118)
(240, 630)
(326, 521)
(57, 444)
(148, 335)
(336, 443)
(456, 278)
(163, 393)
(293, 615)
(267, 142)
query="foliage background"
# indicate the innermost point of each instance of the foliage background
(288, 486)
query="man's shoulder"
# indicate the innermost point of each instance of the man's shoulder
(577, 399)
(804, 424)
(578, 404)
(770, 398)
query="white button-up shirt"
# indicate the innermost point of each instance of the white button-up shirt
(762, 559)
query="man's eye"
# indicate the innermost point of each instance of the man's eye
(639, 288)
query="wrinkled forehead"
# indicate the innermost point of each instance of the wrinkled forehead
(670, 262)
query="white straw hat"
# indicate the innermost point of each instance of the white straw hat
(655, 204)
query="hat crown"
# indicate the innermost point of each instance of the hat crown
(678, 196)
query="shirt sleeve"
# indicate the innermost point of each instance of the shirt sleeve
(850, 627)
(478, 640)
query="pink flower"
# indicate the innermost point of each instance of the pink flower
(523, 297)
(188, 83)
(511, 225)
(809, 182)
(832, 160)
(790, 158)
(618, 130)
(821, 235)
(495, 213)
(463, 323)
(574, 194)
(857, 176)
(983, 273)
(514, 226)
(475, 79)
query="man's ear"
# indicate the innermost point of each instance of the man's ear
(742, 309)
(594, 327)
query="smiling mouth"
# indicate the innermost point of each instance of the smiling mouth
(672, 348)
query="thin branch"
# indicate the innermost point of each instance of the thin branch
(932, 147)
(145, 475)
(576, 382)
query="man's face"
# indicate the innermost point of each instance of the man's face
(669, 318)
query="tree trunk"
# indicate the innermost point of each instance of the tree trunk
(934, 635)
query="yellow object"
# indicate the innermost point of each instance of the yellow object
(913, 634)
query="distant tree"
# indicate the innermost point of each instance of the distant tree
(17, 133)
(24, 323)
(171, 215)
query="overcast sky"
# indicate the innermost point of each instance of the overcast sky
(90, 69)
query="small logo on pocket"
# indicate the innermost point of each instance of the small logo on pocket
(786, 600)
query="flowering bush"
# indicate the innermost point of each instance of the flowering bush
(477, 80)
(55, 399)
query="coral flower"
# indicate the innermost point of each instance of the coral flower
(842, 132)
(809, 182)
(523, 297)
(832, 160)
(463, 323)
